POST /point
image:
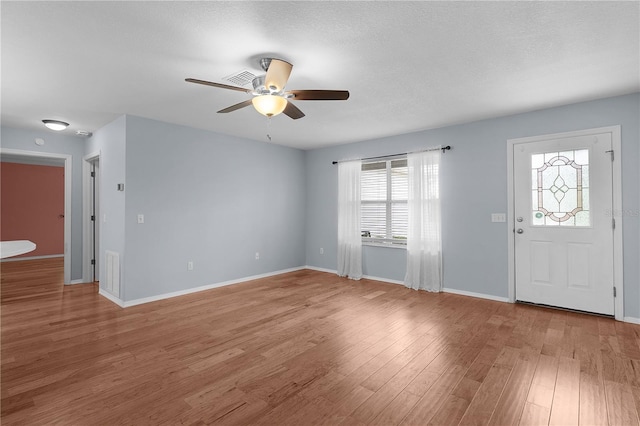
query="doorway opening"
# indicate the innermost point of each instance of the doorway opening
(44, 158)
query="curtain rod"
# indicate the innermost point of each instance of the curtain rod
(443, 148)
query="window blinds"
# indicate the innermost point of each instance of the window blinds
(384, 214)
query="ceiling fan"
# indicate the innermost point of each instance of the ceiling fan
(269, 96)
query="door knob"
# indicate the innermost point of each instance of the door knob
(520, 231)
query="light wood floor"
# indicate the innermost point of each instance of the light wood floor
(305, 348)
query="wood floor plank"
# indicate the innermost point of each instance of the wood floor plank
(636, 396)
(424, 410)
(621, 404)
(397, 409)
(514, 395)
(534, 415)
(544, 382)
(281, 413)
(566, 398)
(593, 401)
(540, 397)
(485, 400)
(389, 390)
(305, 347)
(351, 402)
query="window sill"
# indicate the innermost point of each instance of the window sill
(391, 246)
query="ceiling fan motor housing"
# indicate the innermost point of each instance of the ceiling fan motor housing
(258, 85)
(260, 89)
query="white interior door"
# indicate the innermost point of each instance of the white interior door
(563, 225)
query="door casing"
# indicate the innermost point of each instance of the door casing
(617, 206)
(87, 226)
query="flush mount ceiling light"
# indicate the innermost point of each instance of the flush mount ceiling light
(55, 125)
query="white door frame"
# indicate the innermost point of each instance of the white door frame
(87, 232)
(617, 206)
(67, 197)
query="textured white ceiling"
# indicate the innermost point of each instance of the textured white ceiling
(408, 65)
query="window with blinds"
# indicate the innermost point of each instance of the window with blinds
(384, 191)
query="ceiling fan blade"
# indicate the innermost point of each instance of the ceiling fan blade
(292, 111)
(221, 86)
(236, 106)
(277, 75)
(320, 95)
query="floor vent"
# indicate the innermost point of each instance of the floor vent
(112, 263)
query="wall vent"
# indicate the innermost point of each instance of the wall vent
(112, 278)
(241, 78)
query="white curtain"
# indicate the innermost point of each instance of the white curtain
(424, 245)
(349, 236)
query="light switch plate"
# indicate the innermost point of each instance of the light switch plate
(498, 217)
(140, 218)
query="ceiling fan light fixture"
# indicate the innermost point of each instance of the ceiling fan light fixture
(55, 125)
(269, 105)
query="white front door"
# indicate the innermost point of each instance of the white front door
(563, 224)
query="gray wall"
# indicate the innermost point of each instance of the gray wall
(110, 142)
(474, 186)
(57, 143)
(212, 199)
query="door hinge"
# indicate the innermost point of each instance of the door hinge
(614, 292)
(93, 261)
(93, 174)
(93, 218)
(611, 152)
(613, 223)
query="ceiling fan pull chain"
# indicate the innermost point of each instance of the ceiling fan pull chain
(269, 128)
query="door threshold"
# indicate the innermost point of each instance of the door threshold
(560, 308)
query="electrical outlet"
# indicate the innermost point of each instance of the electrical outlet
(321, 250)
(257, 255)
(190, 265)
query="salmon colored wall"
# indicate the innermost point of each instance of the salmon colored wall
(31, 200)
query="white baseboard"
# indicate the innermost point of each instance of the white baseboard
(384, 280)
(632, 320)
(111, 297)
(315, 268)
(80, 281)
(473, 294)
(205, 287)
(445, 290)
(367, 277)
(17, 259)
